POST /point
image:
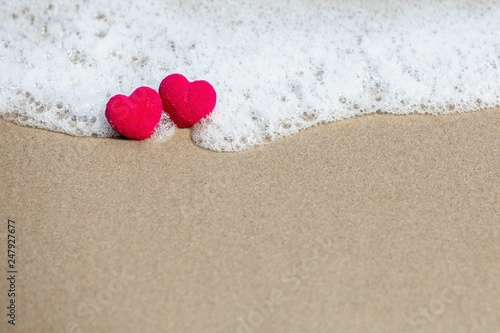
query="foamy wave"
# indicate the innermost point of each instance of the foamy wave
(278, 67)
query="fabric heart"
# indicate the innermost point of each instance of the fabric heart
(137, 116)
(186, 102)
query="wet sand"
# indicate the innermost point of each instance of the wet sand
(375, 224)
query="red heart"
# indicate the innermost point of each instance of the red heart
(186, 102)
(137, 116)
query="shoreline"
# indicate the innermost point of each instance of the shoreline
(159, 138)
(380, 223)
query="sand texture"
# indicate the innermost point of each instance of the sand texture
(374, 224)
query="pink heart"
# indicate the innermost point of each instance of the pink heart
(137, 116)
(187, 102)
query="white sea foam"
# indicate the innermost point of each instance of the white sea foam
(278, 66)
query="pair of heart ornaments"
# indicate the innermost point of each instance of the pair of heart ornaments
(137, 116)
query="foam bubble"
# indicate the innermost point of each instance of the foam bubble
(278, 66)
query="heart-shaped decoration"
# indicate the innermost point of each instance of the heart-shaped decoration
(187, 102)
(137, 116)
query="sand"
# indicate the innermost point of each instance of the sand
(374, 224)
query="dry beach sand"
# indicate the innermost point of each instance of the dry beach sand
(374, 224)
